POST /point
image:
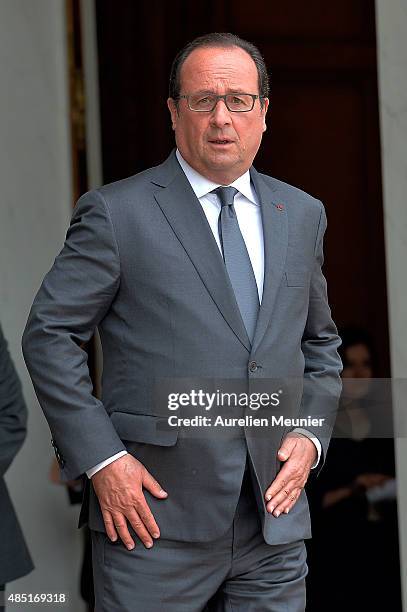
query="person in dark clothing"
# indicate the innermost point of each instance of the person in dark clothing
(15, 559)
(354, 552)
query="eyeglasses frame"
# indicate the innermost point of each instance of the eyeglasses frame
(222, 97)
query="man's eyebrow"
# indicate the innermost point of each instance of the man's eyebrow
(209, 91)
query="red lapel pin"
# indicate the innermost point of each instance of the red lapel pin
(280, 206)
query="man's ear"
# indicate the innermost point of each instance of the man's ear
(266, 102)
(172, 107)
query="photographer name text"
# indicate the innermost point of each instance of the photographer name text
(246, 421)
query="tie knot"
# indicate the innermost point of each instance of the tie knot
(226, 195)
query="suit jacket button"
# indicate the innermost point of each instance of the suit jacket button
(253, 366)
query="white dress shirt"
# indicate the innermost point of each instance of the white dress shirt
(248, 213)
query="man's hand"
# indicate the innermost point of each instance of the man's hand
(300, 454)
(119, 487)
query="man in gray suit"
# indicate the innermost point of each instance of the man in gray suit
(198, 272)
(15, 559)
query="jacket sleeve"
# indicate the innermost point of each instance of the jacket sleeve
(13, 411)
(320, 341)
(74, 297)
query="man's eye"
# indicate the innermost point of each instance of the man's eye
(204, 101)
(237, 100)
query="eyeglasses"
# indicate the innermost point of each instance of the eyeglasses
(235, 102)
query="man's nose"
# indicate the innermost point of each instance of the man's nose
(220, 114)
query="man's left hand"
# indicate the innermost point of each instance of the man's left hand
(299, 454)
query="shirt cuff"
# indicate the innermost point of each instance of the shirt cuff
(314, 439)
(102, 464)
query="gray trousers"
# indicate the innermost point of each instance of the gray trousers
(239, 572)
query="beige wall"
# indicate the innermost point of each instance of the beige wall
(35, 208)
(392, 64)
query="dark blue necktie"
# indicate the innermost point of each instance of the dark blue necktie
(237, 260)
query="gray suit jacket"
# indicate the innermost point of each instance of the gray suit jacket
(15, 560)
(141, 263)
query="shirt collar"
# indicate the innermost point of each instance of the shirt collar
(202, 185)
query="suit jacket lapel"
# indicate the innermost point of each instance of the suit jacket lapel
(275, 233)
(184, 213)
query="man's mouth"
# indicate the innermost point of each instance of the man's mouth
(219, 141)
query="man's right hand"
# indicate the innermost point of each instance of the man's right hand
(119, 487)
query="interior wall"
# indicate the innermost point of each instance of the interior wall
(392, 61)
(35, 210)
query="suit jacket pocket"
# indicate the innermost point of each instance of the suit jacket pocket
(144, 428)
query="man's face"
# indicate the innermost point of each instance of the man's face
(220, 145)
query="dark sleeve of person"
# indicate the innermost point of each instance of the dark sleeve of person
(13, 411)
